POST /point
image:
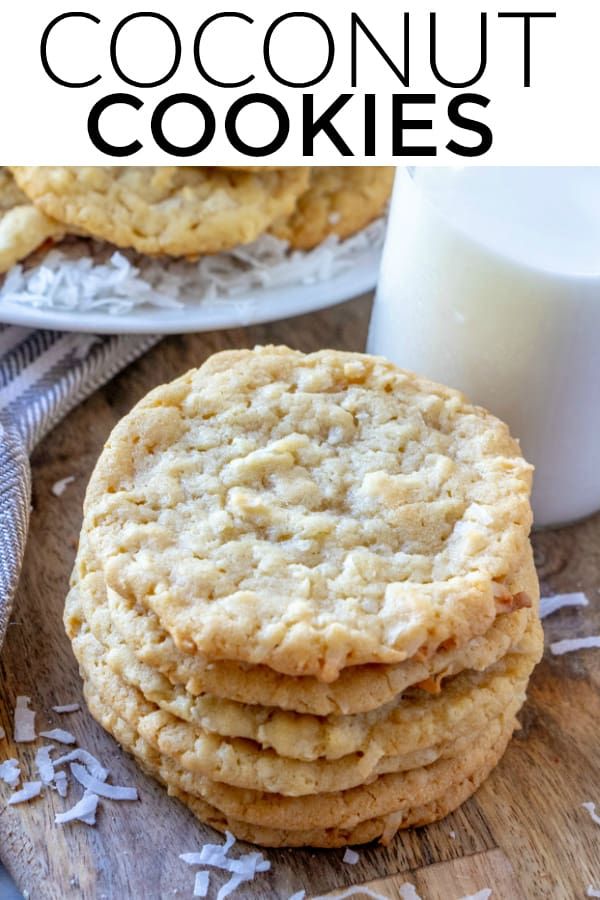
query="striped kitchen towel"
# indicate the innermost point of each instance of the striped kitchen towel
(43, 375)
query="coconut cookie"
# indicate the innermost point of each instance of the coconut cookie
(23, 227)
(305, 596)
(177, 210)
(358, 689)
(382, 796)
(413, 722)
(240, 765)
(384, 827)
(340, 201)
(243, 764)
(310, 513)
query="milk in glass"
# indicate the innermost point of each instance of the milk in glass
(490, 282)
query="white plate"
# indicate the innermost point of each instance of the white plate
(261, 305)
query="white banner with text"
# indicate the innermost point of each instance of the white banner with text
(326, 83)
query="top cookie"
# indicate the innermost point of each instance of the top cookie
(179, 210)
(23, 228)
(310, 512)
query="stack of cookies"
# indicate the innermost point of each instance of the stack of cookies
(305, 597)
(185, 211)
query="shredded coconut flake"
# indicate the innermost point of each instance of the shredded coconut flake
(61, 784)
(24, 721)
(570, 644)
(88, 276)
(10, 772)
(59, 487)
(299, 895)
(231, 886)
(192, 859)
(219, 851)
(592, 891)
(110, 791)
(363, 891)
(29, 790)
(242, 869)
(351, 857)
(452, 835)
(484, 894)
(60, 735)
(201, 884)
(44, 764)
(88, 760)
(67, 708)
(408, 892)
(246, 865)
(83, 811)
(549, 605)
(229, 842)
(591, 808)
(249, 864)
(213, 855)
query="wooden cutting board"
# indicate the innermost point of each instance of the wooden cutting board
(524, 834)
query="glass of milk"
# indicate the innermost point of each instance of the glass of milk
(490, 282)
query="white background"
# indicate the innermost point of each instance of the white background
(553, 122)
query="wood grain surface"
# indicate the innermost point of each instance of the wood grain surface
(524, 834)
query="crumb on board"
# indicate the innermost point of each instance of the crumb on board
(83, 811)
(24, 721)
(102, 788)
(87, 759)
(29, 790)
(361, 890)
(591, 808)
(10, 772)
(570, 644)
(84, 768)
(60, 735)
(201, 884)
(44, 764)
(408, 891)
(61, 784)
(242, 869)
(550, 605)
(59, 487)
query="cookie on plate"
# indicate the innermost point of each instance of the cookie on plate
(23, 227)
(176, 210)
(340, 201)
